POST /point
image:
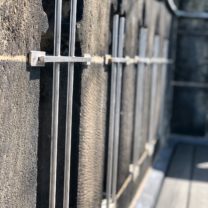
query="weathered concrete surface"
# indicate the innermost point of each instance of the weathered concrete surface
(167, 30)
(128, 90)
(89, 132)
(133, 13)
(190, 104)
(93, 34)
(153, 13)
(21, 25)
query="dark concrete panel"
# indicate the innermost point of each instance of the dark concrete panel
(189, 104)
(189, 111)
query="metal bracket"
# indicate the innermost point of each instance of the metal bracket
(119, 60)
(39, 58)
(34, 58)
(134, 170)
(150, 147)
(104, 204)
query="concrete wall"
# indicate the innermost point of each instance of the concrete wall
(94, 39)
(21, 25)
(25, 159)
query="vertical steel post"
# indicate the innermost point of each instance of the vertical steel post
(139, 97)
(70, 83)
(112, 111)
(117, 108)
(163, 81)
(55, 104)
(154, 88)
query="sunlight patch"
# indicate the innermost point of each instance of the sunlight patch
(203, 165)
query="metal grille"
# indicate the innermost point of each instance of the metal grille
(117, 61)
(116, 77)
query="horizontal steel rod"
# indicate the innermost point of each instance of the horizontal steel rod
(65, 59)
(128, 180)
(38, 58)
(118, 60)
(193, 32)
(180, 13)
(189, 84)
(124, 187)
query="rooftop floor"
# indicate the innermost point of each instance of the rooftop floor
(186, 181)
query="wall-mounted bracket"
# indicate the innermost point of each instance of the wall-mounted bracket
(104, 204)
(39, 58)
(134, 170)
(150, 147)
